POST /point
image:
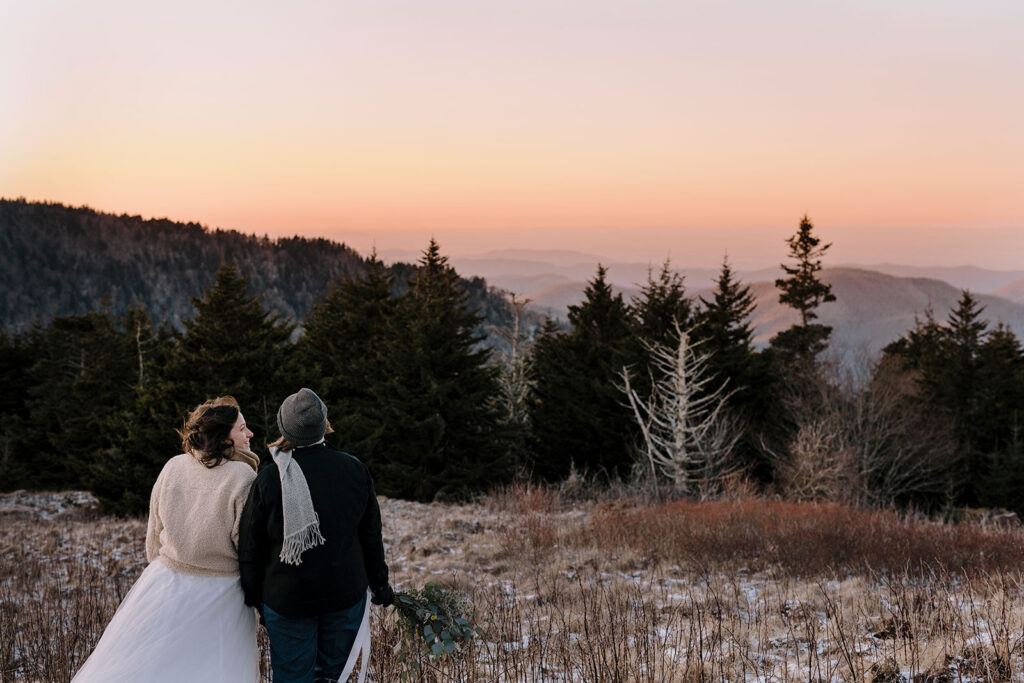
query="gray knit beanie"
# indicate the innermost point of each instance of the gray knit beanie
(302, 418)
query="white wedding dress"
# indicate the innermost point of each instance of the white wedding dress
(174, 627)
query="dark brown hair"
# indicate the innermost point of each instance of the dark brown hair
(206, 432)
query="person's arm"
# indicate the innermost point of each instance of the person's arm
(155, 524)
(371, 539)
(253, 544)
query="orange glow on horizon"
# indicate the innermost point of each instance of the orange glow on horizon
(526, 121)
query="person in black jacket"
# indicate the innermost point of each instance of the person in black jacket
(309, 546)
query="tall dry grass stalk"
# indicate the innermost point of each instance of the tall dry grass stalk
(746, 590)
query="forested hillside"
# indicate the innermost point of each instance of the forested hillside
(59, 260)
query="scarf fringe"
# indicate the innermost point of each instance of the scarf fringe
(301, 541)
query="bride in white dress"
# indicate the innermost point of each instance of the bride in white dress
(185, 618)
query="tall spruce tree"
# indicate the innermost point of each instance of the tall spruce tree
(1000, 391)
(804, 291)
(341, 354)
(956, 386)
(662, 304)
(121, 472)
(723, 328)
(578, 414)
(231, 346)
(82, 377)
(439, 417)
(725, 334)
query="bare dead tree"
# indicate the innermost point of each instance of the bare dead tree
(688, 435)
(513, 383)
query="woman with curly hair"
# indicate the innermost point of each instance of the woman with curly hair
(185, 619)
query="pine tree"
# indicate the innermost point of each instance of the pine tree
(662, 304)
(921, 348)
(723, 328)
(15, 360)
(438, 412)
(340, 353)
(120, 474)
(724, 332)
(81, 376)
(231, 346)
(1003, 484)
(955, 381)
(82, 383)
(974, 378)
(804, 291)
(578, 415)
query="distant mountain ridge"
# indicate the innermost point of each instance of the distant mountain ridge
(60, 260)
(527, 271)
(871, 308)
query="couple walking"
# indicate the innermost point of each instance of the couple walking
(300, 542)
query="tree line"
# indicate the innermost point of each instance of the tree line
(58, 260)
(665, 389)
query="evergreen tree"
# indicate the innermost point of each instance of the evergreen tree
(121, 472)
(15, 359)
(955, 383)
(804, 291)
(1000, 391)
(974, 377)
(82, 382)
(437, 408)
(723, 328)
(662, 304)
(341, 354)
(578, 414)
(231, 346)
(79, 378)
(1003, 484)
(725, 335)
(920, 349)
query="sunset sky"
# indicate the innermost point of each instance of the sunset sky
(635, 129)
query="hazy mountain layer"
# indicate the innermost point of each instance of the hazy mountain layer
(871, 309)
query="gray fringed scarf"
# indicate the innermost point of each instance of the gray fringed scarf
(301, 523)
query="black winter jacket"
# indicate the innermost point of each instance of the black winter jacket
(332, 576)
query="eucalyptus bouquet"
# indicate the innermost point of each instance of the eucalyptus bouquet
(434, 623)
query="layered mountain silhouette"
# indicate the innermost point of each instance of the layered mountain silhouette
(60, 260)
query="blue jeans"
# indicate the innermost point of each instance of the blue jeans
(311, 649)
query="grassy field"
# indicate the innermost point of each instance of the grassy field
(564, 590)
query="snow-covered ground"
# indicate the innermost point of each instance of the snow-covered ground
(553, 606)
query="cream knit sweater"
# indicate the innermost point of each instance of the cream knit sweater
(193, 515)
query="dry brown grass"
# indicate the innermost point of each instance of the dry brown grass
(611, 591)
